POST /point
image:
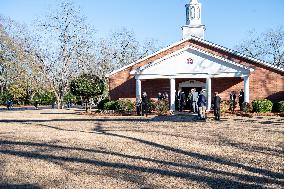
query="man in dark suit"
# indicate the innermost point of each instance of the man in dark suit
(217, 105)
(182, 101)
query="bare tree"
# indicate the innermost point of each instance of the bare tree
(65, 39)
(61, 48)
(121, 48)
(19, 71)
(268, 46)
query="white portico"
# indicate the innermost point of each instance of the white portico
(191, 63)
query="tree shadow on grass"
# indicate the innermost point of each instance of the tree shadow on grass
(249, 147)
(18, 186)
(173, 118)
(196, 155)
(211, 181)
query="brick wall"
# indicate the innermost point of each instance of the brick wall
(264, 82)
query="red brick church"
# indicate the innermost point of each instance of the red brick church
(196, 63)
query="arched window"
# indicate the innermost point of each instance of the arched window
(198, 13)
(192, 13)
(187, 14)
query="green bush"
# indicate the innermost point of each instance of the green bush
(102, 103)
(279, 106)
(111, 105)
(262, 105)
(126, 106)
(44, 98)
(69, 97)
(119, 105)
(4, 97)
(162, 107)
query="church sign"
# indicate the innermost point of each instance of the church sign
(189, 61)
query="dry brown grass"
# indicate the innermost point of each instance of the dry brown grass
(61, 149)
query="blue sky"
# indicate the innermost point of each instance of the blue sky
(227, 21)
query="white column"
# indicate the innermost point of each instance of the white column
(246, 88)
(208, 90)
(138, 90)
(173, 94)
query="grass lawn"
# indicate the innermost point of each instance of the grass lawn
(62, 149)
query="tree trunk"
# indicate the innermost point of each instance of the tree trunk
(60, 102)
(87, 105)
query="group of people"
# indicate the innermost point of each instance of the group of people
(163, 96)
(196, 101)
(233, 103)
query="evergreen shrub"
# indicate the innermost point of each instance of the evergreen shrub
(125, 106)
(111, 105)
(279, 106)
(162, 107)
(262, 106)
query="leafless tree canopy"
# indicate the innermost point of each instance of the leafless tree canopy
(268, 46)
(64, 41)
(19, 70)
(119, 49)
(58, 48)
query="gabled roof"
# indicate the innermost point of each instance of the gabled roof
(241, 55)
(158, 61)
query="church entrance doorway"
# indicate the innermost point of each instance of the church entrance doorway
(187, 86)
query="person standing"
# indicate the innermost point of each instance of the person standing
(9, 104)
(138, 107)
(194, 99)
(217, 105)
(144, 104)
(241, 99)
(178, 99)
(36, 104)
(232, 101)
(160, 97)
(166, 96)
(182, 102)
(202, 105)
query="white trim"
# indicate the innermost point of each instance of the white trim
(204, 42)
(138, 90)
(221, 58)
(142, 68)
(208, 91)
(246, 89)
(173, 94)
(149, 56)
(236, 53)
(190, 75)
(192, 83)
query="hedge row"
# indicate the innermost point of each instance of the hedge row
(161, 107)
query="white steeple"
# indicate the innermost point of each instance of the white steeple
(193, 26)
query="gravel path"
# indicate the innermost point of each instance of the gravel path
(62, 149)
